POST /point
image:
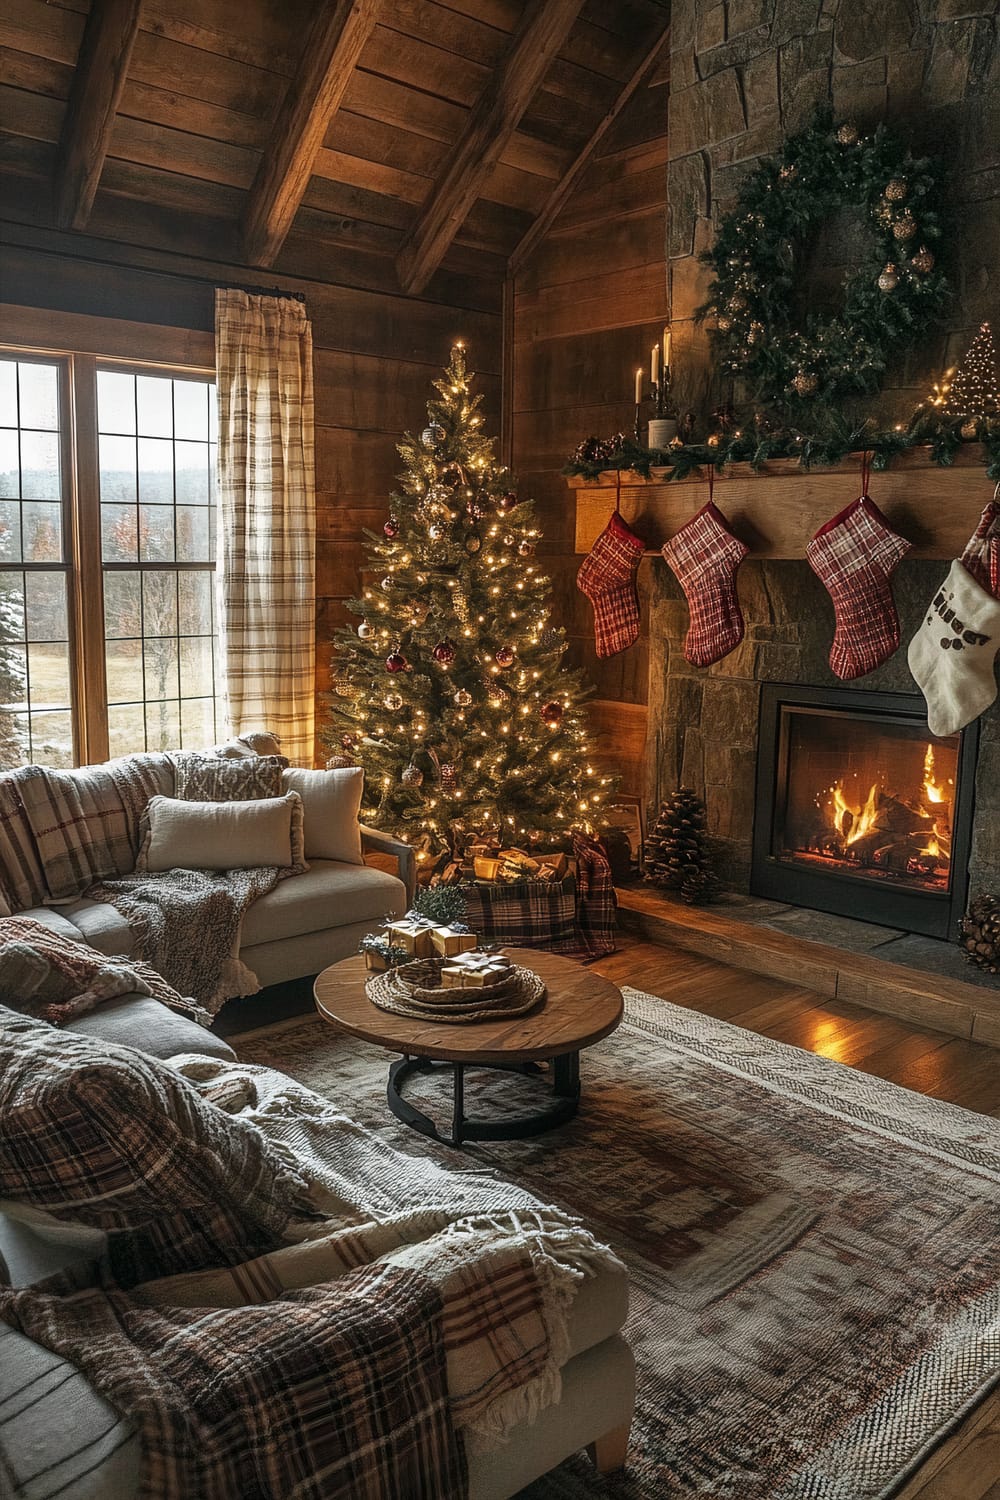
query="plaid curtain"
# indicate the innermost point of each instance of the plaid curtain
(267, 516)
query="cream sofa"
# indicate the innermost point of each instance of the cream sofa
(304, 923)
(49, 1413)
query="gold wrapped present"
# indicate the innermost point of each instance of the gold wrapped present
(486, 869)
(375, 962)
(470, 971)
(413, 934)
(448, 942)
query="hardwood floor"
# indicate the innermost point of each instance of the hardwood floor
(930, 1062)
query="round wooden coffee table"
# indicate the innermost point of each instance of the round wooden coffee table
(580, 1007)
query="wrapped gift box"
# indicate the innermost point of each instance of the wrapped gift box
(474, 970)
(485, 867)
(448, 942)
(414, 934)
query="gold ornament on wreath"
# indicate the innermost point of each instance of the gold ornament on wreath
(756, 325)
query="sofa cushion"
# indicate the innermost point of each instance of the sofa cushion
(111, 1137)
(101, 925)
(204, 778)
(20, 868)
(242, 835)
(142, 1022)
(57, 1435)
(331, 801)
(55, 921)
(329, 894)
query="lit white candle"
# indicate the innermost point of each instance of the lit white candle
(654, 364)
(638, 385)
(666, 348)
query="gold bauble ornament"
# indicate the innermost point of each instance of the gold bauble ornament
(969, 430)
(923, 261)
(737, 302)
(724, 324)
(896, 189)
(804, 383)
(905, 227)
(889, 279)
(847, 135)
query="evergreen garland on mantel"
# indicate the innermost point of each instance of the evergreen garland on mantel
(757, 443)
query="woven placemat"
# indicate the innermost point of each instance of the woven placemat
(426, 1002)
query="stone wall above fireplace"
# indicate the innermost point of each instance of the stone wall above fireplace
(703, 724)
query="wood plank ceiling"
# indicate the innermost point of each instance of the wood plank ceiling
(398, 136)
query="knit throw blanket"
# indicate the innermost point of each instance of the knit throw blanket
(342, 1363)
(187, 924)
(55, 978)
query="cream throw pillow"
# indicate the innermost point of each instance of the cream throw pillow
(331, 801)
(223, 835)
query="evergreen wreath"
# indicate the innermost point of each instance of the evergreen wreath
(888, 301)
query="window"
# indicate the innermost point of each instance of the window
(107, 560)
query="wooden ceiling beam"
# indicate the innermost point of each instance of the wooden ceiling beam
(339, 32)
(645, 60)
(101, 68)
(491, 123)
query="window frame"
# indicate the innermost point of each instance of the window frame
(80, 345)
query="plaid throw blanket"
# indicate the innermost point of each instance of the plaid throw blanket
(340, 1364)
(55, 978)
(572, 918)
(335, 1392)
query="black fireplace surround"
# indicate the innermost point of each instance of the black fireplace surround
(860, 811)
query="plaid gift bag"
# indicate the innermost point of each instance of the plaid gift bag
(574, 917)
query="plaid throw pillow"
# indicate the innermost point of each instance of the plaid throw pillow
(80, 826)
(106, 1136)
(202, 778)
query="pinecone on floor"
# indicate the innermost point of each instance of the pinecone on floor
(677, 856)
(979, 933)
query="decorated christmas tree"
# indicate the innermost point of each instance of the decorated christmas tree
(975, 389)
(451, 692)
(678, 855)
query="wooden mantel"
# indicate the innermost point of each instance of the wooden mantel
(776, 511)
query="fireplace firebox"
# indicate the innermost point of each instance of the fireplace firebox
(860, 810)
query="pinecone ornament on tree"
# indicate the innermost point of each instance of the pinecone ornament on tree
(979, 933)
(677, 856)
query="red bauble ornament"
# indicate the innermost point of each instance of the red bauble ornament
(552, 714)
(444, 652)
(395, 662)
(391, 528)
(507, 501)
(504, 656)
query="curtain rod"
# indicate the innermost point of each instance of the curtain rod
(258, 291)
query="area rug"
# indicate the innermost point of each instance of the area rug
(814, 1254)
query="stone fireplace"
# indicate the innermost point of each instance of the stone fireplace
(859, 810)
(854, 812)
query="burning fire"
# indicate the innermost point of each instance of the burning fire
(860, 821)
(932, 791)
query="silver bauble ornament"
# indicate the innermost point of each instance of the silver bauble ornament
(435, 531)
(888, 279)
(462, 698)
(365, 631)
(432, 435)
(387, 582)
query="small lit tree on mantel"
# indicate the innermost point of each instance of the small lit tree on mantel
(451, 692)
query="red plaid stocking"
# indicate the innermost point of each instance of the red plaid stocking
(854, 555)
(607, 577)
(704, 555)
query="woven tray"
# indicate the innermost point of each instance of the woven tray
(414, 990)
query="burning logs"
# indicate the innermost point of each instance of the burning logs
(888, 833)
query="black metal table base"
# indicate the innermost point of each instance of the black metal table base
(565, 1092)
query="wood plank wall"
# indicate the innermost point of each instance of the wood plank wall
(587, 309)
(375, 356)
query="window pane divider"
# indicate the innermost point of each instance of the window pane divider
(88, 602)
